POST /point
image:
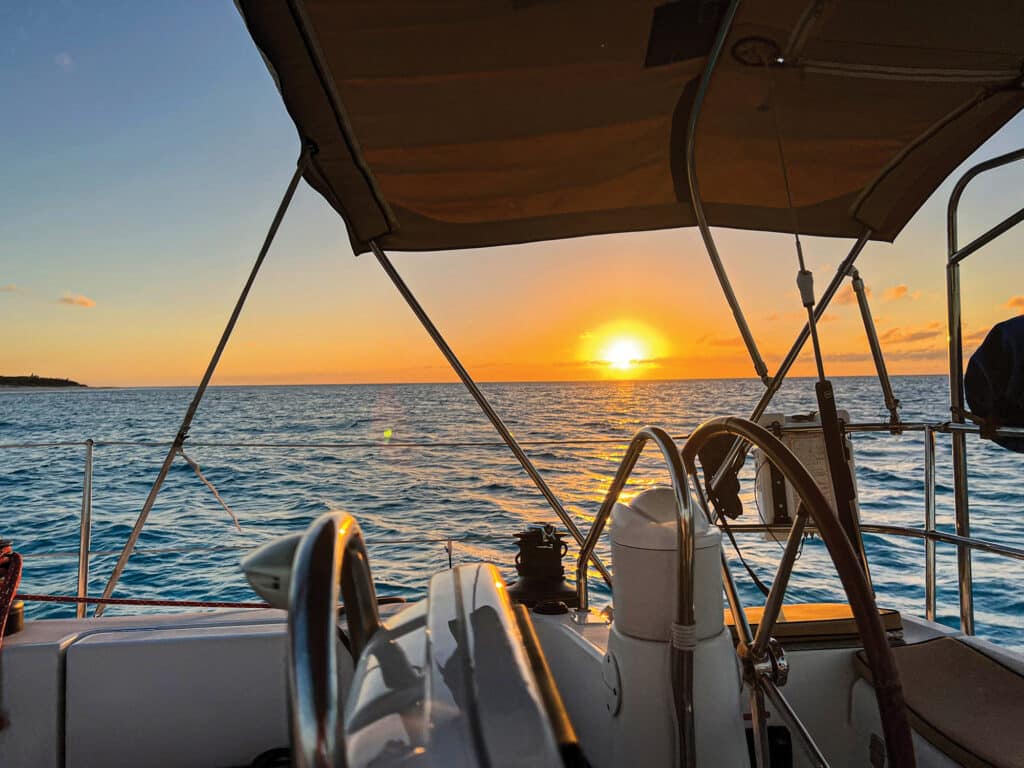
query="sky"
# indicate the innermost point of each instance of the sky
(144, 149)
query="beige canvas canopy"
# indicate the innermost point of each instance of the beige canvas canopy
(445, 125)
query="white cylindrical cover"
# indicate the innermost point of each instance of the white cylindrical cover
(645, 567)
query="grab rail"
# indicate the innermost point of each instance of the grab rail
(954, 256)
(331, 554)
(626, 465)
(682, 653)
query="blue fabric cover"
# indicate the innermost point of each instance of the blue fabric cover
(994, 382)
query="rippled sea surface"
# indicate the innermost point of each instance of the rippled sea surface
(411, 499)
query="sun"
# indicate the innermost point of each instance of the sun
(622, 349)
(623, 353)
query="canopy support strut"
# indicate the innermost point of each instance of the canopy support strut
(736, 453)
(484, 404)
(698, 206)
(891, 403)
(186, 422)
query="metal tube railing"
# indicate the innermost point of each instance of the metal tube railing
(733, 457)
(859, 290)
(929, 524)
(684, 619)
(956, 367)
(485, 405)
(85, 531)
(197, 398)
(928, 534)
(698, 206)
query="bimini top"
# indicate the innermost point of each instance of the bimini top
(468, 123)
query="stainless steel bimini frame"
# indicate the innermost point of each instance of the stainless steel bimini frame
(486, 407)
(190, 413)
(956, 365)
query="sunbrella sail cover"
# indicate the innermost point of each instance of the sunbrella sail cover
(469, 123)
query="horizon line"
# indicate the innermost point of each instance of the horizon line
(486, 381)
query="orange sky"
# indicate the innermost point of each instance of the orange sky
(543, 312)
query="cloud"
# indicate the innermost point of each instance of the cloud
(10, 288)
(64, 61)
(975, 338)
(910, 335)
(1017, 302)
(846, 296)
(901, 291)
(719, 341)
(899, 354)
(76, 300)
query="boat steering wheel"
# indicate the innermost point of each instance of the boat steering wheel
(330, 558)
(761, 658)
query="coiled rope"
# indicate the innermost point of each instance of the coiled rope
(10, 576)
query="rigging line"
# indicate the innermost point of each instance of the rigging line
(804, 279)
(782, 163)
(208, 484)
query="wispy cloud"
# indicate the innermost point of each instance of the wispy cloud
(846, 296)
(76, 300)
(1017, 302)
(974, 338)
(10, 288)
(901, 291)
(899, 354)
(910, 335)
(720, 341)
(64, 61)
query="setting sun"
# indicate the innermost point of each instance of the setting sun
(623, 349)
(623, 353)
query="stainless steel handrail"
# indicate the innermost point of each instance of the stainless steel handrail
(679, 484)
(330, 558)
(981, 545)
(929, 525)
(85, 531)
(682, 654)
(954, 256)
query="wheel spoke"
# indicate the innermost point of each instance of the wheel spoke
(781, 705)
(759, 721)
(773, 605)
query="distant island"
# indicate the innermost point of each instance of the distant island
(36, 381)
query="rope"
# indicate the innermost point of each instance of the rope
(208, 484)
(10, 576)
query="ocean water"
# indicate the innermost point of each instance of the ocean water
(411, 499)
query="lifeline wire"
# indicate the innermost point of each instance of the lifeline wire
(804, 277)
(208, 484)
